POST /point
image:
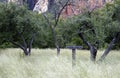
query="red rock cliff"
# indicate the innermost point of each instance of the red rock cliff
(81, 5)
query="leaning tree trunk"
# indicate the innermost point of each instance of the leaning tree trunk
(21, 47)
(112, 43)
(93, 50)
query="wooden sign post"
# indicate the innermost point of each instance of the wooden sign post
(74, 53)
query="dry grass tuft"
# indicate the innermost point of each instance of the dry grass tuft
(43, 63)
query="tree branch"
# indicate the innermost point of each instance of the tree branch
(93, 50)
(47, 20)
(24, 42)
(23, 39)
(58, 16)
(84, 40)
(30, 44)
(19, 45)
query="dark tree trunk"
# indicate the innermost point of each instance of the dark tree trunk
(30, 44)
(112, 43)
(26, 52)
(25, 47)
(55, 41)
(93, 50)
(53, 33)
(21, 46)
(56, 19)
(24, 44)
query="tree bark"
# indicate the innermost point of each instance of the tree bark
(21, 46)
(24, 42)
(112, 43)
(30, 44)
(25, 47)
(55, 41)
(93, 50)
(53, 26)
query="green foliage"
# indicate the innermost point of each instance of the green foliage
(101, 25)
(16, 20)
(108, 20)
(67, 32)
(6, 45)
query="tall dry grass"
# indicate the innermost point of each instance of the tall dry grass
(43, 63)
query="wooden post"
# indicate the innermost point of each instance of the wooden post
(73, 57)
(74, 53)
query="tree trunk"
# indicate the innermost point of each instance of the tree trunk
(93, 50)
(55, 41)
(21, 46)
(52, 26)
(26, 52)
(25, 47)
(112, 43)
(30, 44)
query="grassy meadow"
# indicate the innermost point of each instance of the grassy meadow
(43, 63)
